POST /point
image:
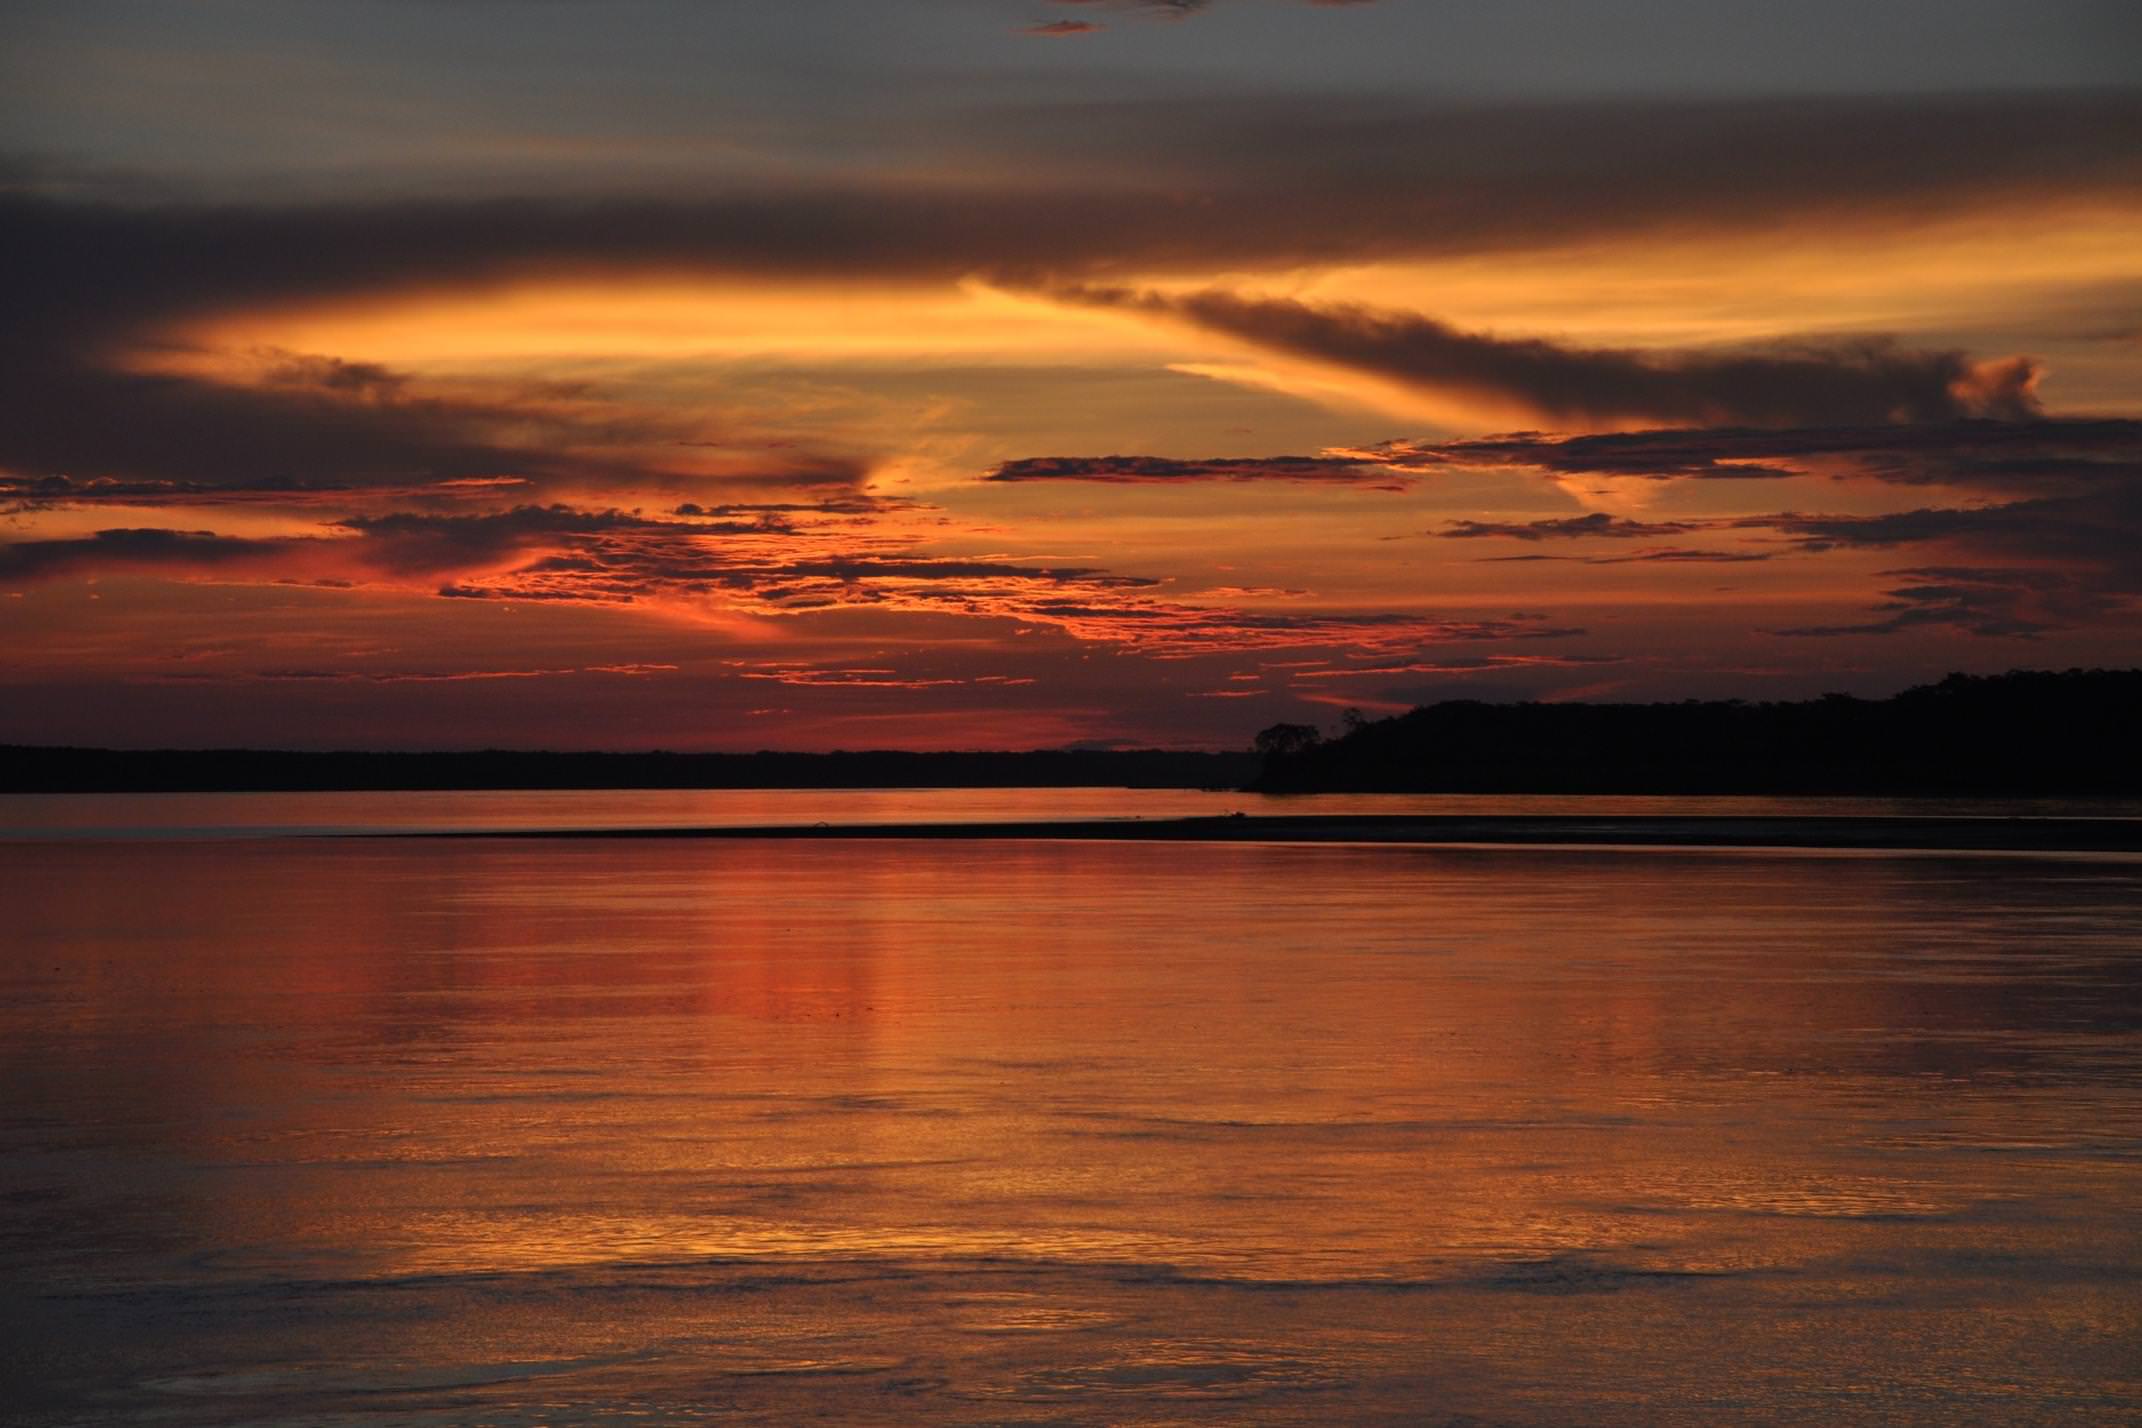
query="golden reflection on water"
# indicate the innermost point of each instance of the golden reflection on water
(1053, 1097)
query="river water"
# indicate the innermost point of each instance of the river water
(354, 1131)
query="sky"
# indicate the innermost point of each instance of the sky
(716, 374)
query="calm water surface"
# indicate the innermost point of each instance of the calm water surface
(226, 815)
(476, 1131)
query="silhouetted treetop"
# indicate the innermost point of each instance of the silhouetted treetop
(1282, 739)
(2025, 733)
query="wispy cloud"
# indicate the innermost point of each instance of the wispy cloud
(769, 569)
(2011, 454)
(1780, 384)
(2068, 517)
(1163, 471)
(1990, 602)
(1597, 524)
(1184, 9)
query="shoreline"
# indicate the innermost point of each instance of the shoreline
(1884, 833)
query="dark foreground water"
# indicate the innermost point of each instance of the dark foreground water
(476, 1131)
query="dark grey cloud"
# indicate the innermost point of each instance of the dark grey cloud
(406, 542)
(852, 504)
(1778, 385)
(2058, 500)
(2074, 557)
(1216, 182)
(77, 418)
(1824, 533)
(1682, 555)
(2036, 455)
(1996, 603)
(81, 420)
(1655, 555)
(400, 545)
(1170, 9)
(2099, 530)
(1385, 173)
(1598, 523)
(1184, 9)
(128, 549)
(412, 676)
(1162, 470)
(2073, 525)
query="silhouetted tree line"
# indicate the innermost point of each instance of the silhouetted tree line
(63, 770)
(2024, 733)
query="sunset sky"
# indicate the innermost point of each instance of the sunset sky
(1023, 373)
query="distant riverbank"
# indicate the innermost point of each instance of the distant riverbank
(27, 769)
(1934, 834)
